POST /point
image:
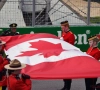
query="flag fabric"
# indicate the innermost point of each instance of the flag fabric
(48, 57)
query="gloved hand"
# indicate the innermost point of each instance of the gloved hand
(4, 72)
(61, 38)
(24, 76)
(7, 58)
(17, 77)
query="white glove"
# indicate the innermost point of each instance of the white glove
(84, 52)
(61, 38)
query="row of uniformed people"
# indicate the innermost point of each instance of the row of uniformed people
(3, 62)
(93, 50)
(14, 81)
(68, 36)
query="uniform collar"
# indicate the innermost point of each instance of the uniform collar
(95, 47)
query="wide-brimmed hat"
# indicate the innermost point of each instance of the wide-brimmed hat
(15, 65)
(2, 42)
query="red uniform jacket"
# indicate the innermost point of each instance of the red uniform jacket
(68, 37)
(18, 84)
(94, 52)
(3, 62)
(3, 82)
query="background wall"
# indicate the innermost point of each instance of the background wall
(81, 33)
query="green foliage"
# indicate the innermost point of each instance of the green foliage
(95, 19)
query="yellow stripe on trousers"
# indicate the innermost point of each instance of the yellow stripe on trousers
(0, 88)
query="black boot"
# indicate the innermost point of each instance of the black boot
(63, 88)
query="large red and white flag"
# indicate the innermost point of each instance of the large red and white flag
(48, 57)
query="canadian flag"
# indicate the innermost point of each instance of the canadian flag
(48, 57)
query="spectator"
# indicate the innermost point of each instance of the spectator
(14, 81)
(69, 37)
(94, 51)
(11, 31)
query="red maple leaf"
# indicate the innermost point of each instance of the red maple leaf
(44, 48)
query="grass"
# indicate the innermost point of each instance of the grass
(95, 19)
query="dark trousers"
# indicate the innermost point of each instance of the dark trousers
(98, 86)
(90, 83)
(4, 87)
(67, 84)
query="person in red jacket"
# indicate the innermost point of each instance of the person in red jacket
(3, 62)
(94, 51)
(17, 81)
(3, 77)
(69, 37)
(2, 46)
